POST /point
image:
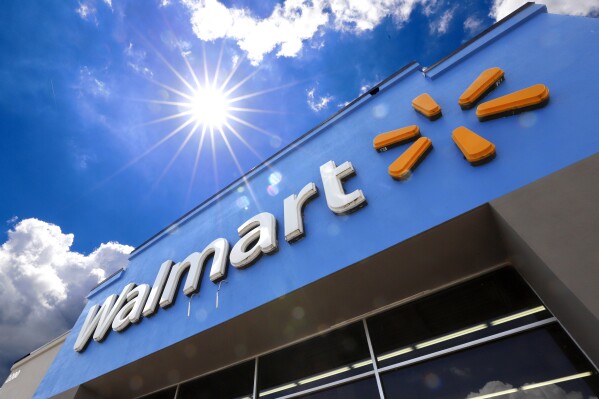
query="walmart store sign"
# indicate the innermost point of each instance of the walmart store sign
(258, 235)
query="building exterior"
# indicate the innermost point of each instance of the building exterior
(26, 373)
(318, 275)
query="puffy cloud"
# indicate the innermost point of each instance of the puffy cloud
(285, 29)
(441, 25)
(316, 103)
(358, 16)
(43, 284)
(293, 22)
(501, 8)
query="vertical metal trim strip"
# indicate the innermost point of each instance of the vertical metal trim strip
(255, 392)
(373, 358)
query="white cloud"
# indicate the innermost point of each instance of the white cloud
(362, 15)
(90, 84)
(501, 8)
(316, 103)
(43, 284)
(136, 60)
(441, 25)
(12, 220)
(293, 22)
(285, 29)
(86, 11)
(82, 160)
(550, 391)
(472, 25)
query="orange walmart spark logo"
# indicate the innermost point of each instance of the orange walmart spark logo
(476, 149)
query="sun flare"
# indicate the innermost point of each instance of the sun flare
(209, 107)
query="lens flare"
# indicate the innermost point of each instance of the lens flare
(209, 107)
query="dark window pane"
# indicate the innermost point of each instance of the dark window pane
(164, 394)
(336, 355)
(543, 356)
(487, 305)
(231, 383)
(363, 389)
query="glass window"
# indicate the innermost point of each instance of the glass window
(481, 307)
(231, 383)
(362, 389)
(537, 361)
(330, 357)
(164, 394)
(541, 363)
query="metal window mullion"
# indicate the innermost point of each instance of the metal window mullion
(255, 392)
(177, 391)
(373, 358)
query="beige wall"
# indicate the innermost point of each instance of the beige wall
(31, 370)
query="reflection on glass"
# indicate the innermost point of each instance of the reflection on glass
(361, 364)
(361, 389)
(164, 394)
(277, 389)
(451, 336)
(518, 315)
(341, 373)
(556, 381)
(460, 333)
(395, 354)
(331, 357)
(323, 375)
(541, 363)
(488, 305)
(236, 382)
(533, 386)
(494, 394)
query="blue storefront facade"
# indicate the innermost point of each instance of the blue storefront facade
(372, 244)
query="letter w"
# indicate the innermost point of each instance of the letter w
(99, 319)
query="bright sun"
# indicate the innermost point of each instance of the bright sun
(209, 107)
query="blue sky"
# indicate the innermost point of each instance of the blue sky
(98, 106)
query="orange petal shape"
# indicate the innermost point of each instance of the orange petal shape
(400, 168)
(384, 141)
(425, 104)
(476, 149)
(523, 100)
(482, 85)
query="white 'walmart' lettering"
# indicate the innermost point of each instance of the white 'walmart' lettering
(258, 235)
